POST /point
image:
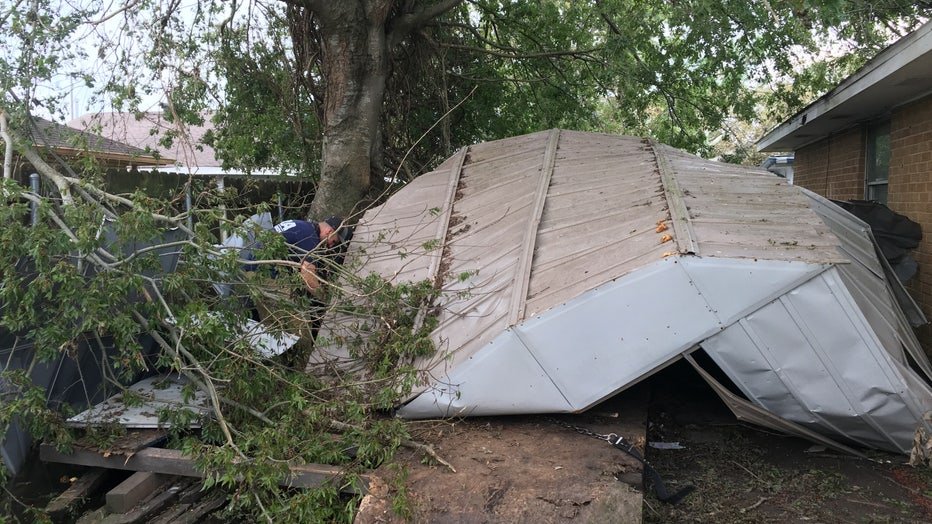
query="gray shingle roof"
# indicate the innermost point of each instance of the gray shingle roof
(50, 135)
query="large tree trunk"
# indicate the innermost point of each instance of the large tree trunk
(355, 67)
(355, 39)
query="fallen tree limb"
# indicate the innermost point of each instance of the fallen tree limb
(411, 444)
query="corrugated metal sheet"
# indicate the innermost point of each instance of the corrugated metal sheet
(811, 357)
(603, 207)
(155, 394)
(746, 411)
(744, 212)
(574, 264)
(872, 285)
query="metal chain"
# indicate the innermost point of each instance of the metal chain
(610, 437)
(622, 443)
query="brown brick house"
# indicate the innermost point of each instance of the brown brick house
(871, 138)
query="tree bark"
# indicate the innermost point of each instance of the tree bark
(355, 67)
(356, 40)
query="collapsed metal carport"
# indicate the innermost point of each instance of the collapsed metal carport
(575, 264)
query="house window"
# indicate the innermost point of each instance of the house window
(878, 161)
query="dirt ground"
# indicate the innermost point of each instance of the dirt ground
(748, 474)
(528, 469)
(522, 469)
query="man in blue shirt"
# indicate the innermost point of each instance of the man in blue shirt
(304, 240)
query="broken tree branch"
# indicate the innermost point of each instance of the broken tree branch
(408, 443)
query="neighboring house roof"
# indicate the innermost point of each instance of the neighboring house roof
(899, 74)
(67, 141)
(572, 265)
(145, 130)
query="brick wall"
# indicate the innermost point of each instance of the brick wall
(833, 167)
(910, 193)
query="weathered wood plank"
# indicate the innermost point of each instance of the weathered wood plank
(131, 491)
(173, 462)
(70, 500)
(126, 444)
(170, 516)
(187, 499)
(143, 513)
(197, 511)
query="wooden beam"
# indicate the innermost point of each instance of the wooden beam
(151, 506)
(131, 491)
(173, 462)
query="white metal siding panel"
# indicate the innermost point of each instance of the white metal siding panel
(868, 283)
(735, 287)
(476, 385)
(611, 336)
(811, 357)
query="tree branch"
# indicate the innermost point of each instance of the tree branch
(206, 385)
(403, 25)
(104, 18)
(61, 182)
(583, 54)
(408, 443)
(8, 148)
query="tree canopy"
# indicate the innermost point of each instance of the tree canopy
(318, 87)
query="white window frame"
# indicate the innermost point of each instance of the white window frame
(876, 183)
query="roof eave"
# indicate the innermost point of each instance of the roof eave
(136, 160)
(898, 75)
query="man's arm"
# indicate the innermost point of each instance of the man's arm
(309, 275)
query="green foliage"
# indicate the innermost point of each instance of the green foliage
(401, 499)
(77, 280)
(267, 120)
(400, 333)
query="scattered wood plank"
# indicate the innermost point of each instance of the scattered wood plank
(131, 491)
(93, 516)
(173, 462)
(197, 511)
(193, 494)
(131, 442)
(170, 516)
(71, 500)
(157, 502)
(186, 499)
